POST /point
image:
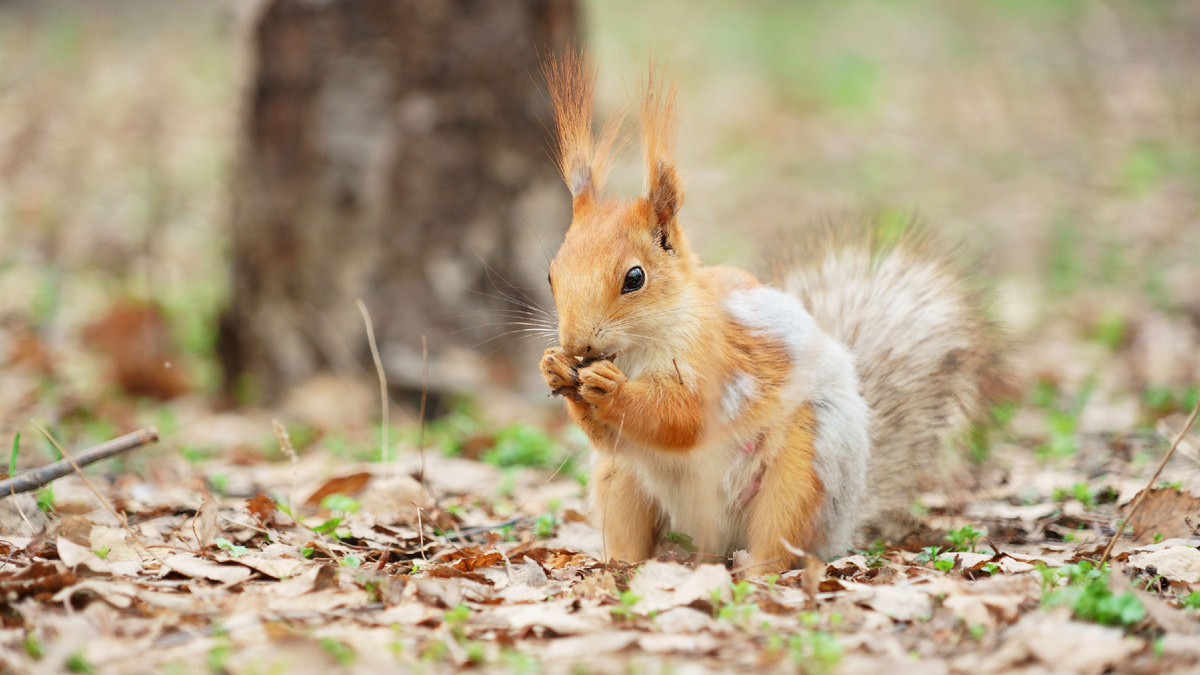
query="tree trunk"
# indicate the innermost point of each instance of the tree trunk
(392, 150)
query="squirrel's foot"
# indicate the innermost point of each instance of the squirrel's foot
(559, 373)
(599, 382)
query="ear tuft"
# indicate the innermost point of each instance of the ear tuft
(582, 160)
(660, 127)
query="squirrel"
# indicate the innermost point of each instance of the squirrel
(787, 419)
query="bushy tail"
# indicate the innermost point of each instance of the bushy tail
(928, 357)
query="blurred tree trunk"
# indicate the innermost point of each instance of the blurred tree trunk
(392, 150)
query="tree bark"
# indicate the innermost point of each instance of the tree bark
(392, 150)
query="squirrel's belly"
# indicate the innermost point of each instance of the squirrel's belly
(704, 494)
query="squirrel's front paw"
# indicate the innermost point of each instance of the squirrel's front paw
(559, 373)
(599, 381)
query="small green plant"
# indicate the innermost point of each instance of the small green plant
(339, 651)
(12, 458)
(965, 538)
(102, 552)
(339, 503)
(1191, 600)
(928, 554)
(933, 556)
(306, 551)
(817, 652)
(521, 445)
(627, 599)
(1083, 587)
(1080, 492)
(1062, 422)
(737, 611)
(234, 550)
(456, 620)
(875, 553)
(33, 647)
(351, 561)
(328, 526)
(217, 656)
(543, 527)
(683, 541)
(77, 663)
(45, 498)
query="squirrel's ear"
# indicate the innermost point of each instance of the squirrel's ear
(659, 129)
(665, 193)
(582, 159)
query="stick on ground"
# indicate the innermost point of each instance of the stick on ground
(1137, 500)
(36, 478)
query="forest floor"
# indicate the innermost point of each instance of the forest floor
(255, 549)
(1056, 140)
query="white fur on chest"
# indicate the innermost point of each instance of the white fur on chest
(699, 491)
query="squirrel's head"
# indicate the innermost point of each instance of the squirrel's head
(624, 265)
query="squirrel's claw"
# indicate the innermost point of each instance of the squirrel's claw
(599, 381)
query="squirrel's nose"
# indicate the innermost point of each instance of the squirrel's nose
(579, 348)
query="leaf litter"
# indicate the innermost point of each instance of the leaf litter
(370, 569)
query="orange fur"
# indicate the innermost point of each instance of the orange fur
(788, 500)
(629, 517)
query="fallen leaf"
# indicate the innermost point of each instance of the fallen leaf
(1166, 513)
(1176, 563)
(199, 568)
(605, 642)
(901, 603)
(262, 509)
(38, 578)
(75, 556)
(665, 585)
(690, 644)
(1070, 646)
(342, 485)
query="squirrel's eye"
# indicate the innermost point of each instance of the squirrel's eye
(634, 279)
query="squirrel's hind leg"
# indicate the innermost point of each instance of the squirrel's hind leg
(788, 502)
(627, 517)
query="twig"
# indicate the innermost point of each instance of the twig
(36, 478)
(285, 446)
(152, 433)
(1141, 496)
(421, 417)
(383, 395)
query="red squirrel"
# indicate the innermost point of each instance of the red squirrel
(777, 419)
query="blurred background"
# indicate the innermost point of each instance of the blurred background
(193, 195)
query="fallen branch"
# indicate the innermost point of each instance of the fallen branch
(1137, 501)
(36, 478)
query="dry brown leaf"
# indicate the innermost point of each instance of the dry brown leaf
(475, 562)
(342, 485)
(1176, 563)
(276, 568)
(199, 568)
(75, 556)
(1070, 646)
(37, 579)
(605, 642)
(555, 615)
(665, 585)
(1168, 512)
(901, 603)
(262, 509)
